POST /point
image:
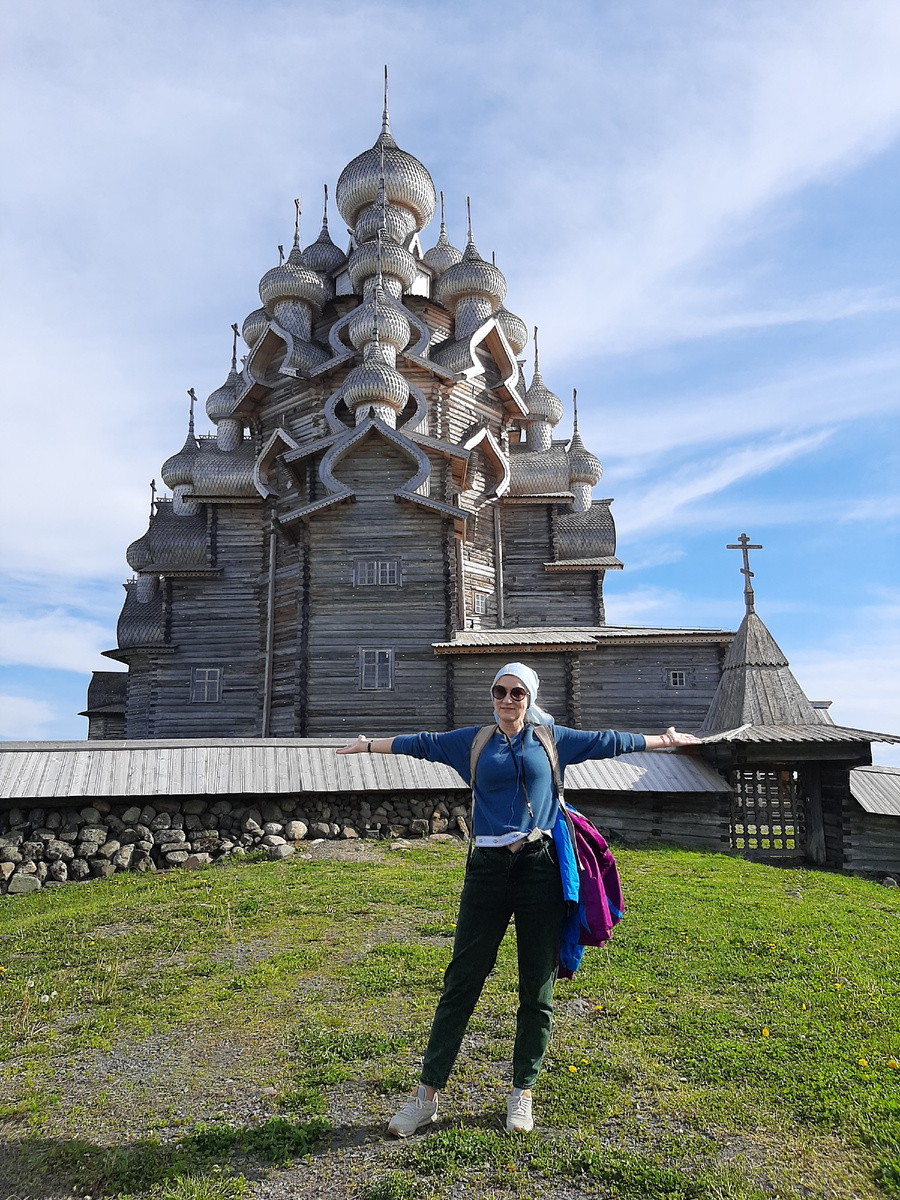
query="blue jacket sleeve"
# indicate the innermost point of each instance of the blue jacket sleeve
(453, 748)
(579, 745)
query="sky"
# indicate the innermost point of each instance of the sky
(695, 201)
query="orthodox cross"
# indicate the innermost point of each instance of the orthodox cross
(297, 215)
(234, 330)
(574, 406)
(152, 497)
(280, 255)
(193, 396)
(745, 545)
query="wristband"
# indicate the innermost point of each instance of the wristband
(369, 746)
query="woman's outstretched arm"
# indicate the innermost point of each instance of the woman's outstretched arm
(364, 745)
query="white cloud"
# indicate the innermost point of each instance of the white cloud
(54, 638)
(24, 719)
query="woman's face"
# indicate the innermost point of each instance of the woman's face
(509, 711)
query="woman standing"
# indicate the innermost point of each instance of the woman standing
(513, 872)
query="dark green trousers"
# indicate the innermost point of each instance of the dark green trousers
(499, 886)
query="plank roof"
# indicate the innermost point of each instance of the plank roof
(877, 789)
(65, 771)
(797, 733)
(547, 638)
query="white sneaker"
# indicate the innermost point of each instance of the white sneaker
(518, 1113)
(415, 1113)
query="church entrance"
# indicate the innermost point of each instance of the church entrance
(767, 814)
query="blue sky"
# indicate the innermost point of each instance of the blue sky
(697, 203)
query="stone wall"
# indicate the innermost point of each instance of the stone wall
(46, 847)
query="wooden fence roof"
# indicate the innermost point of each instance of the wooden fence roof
(877, 789)
(61, 771)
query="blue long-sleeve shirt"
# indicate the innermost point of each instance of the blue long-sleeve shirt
(505, 764)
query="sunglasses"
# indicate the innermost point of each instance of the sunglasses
(515, 693)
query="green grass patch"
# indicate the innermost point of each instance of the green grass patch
(740, 1027)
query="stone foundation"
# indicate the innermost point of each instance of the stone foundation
(46, 847)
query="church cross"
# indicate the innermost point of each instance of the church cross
(193, 396)
(746, 546)
(152, 498)
(234, 330)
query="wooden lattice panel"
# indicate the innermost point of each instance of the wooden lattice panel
(767, 814)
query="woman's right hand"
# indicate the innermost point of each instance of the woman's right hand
(360, 746)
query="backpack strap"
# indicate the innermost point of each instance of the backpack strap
(481, 739)
(544, 734)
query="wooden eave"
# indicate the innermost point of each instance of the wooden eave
(608, 562)
(305, 511)
(458, 515)
(307, 448)
(131, 652)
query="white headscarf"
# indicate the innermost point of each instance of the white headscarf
(534, 715)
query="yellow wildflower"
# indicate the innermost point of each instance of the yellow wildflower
(893, 1064)
(574, 1070)
(766, 1031)
(863, 1062)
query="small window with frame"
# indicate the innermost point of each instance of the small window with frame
(479, 604)
(376, 572)
(677, 679)
(376, 670)
(206, 685)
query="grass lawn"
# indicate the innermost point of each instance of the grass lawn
(190, 1034)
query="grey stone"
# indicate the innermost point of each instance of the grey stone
(295, 831)
(41, 870)
(101, 868)
(144, 832)
(192, 822)
(91, 816)
(349, 833)
(57, 851)
(148, 814)
(463, 826)
(442, 837)
(285, 850)
(144, 846)
(108, 849)
(205, 844)
(36, 818)
(273, 839)
(54, 820)
(250, 825)
(320, 829)
(6, 869)
(221, 807)
(94, 833)
(146, 864)
(129, 836)
(19, 884)
(132, 815)
(78, 869)
(255, 815)
(28, 868)
(9, 853)
(116, 826)
(193, 806)
(271, 812)
(438, 823)
(177, 848)
(177, 821)
(59, 872)
(69, 833)
(15, 837)
(459, 810)
(196, 860)
(31, 851)
(418, 827)
(162, 837)
(162, 820)
(122, 858)
(176, 857)
(889, 881)
(273, 827)
(102, 806)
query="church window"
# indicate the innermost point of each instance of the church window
(677, 679)
(376, 669)
(206, 685)
(480, 605)
(377, 572)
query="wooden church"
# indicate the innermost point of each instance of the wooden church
(385, 514)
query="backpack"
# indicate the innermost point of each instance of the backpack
(600, 906)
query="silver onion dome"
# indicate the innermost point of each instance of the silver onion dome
(407, 182)
(255, 325)
(471, 276)
(584, 467)
(139, 555)
(177, 469)
(220, 403)
(392, 325)
(375, 382)
(396, 263)
(514, 328)
(442, 255)
(322, 255)
(543, 405)
(292, 280)
(393, 222)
